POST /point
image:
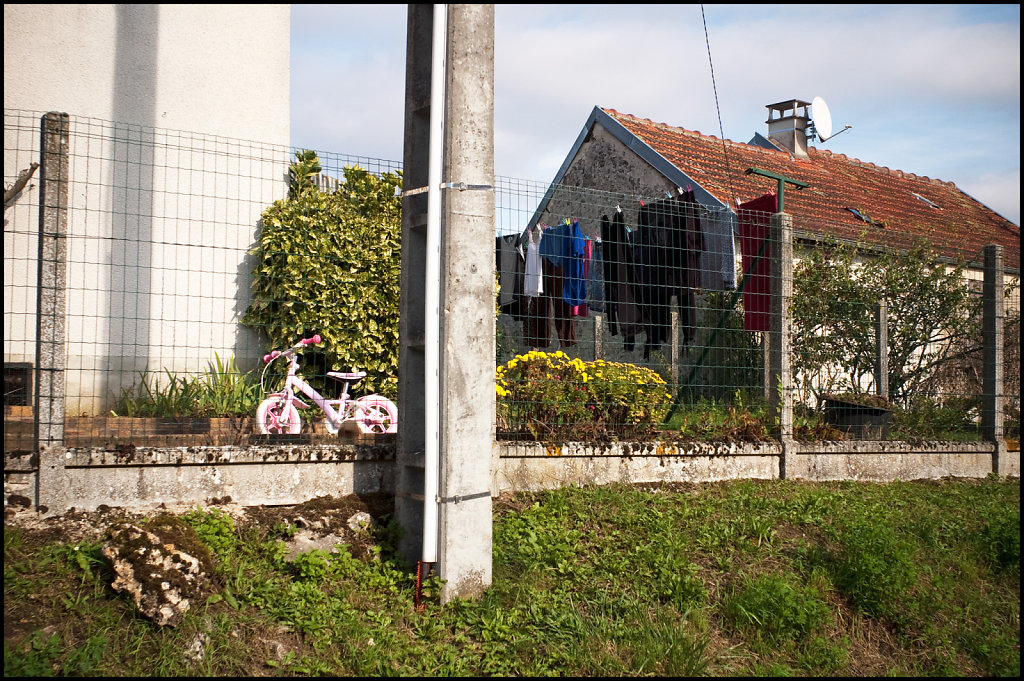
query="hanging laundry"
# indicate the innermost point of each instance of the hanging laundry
(562, 250)
(533, 282)
(595, 277)
(718, 263)
(754, 219)
(550, 307)
(511, 265)
(656, 266)
(564, 246)
(617, 254)
(688, 247)
(582, 310)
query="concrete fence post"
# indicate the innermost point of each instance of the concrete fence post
(411, 442)
(992, 339)
(51, 359)
(766, 362)
(675, 350)
(780, 346)
(882, 349)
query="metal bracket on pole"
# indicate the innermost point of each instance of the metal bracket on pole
(460, 498)
(782, 183)
(461, 186)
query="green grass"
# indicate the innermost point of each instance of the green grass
(746, 578)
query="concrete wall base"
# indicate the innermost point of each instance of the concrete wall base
(144, 478)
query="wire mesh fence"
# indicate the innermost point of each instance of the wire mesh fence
(160, 244)
(619, 315)
(650, 315)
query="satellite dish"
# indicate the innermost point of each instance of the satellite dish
(822, 119)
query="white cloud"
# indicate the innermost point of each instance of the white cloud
(930, 89)
(993, 190)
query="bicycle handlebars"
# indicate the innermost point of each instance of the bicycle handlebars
(278, 353)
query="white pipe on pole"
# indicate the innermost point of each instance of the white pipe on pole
(432, 323)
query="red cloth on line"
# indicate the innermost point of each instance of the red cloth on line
(754, 217)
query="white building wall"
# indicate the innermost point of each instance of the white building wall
(179, 141)
(218, 69)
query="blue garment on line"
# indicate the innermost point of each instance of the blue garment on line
(564, 246)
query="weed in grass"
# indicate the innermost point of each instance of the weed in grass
(776, 607)
(824, 657)
(1000, 538)
(83, 660)
(665, 648)
(873, 567)
(37, 657)
(772, 669)
(215, 528)
(311, 566)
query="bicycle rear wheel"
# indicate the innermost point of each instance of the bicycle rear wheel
(273, 416)
(376, 414)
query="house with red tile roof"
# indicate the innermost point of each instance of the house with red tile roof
(845, 198)
(619, 161)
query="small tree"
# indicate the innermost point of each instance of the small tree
(328, 263)
(932, 317)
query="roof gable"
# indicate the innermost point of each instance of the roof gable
(847, 198)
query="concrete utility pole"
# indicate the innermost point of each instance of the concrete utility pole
(51, 359)
(466, 327)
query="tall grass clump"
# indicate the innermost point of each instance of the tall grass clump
(873, 566)
(222, 390)
(776, 607)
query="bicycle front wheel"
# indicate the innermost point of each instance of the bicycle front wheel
(273, 416)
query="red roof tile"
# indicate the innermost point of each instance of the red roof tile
(959, 228)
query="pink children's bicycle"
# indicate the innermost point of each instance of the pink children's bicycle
(277, 414)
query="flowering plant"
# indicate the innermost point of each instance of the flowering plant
(553, 396)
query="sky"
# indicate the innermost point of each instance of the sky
(929, 89)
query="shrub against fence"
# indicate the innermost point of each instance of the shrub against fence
(552, 396)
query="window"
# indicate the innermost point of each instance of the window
(868, 219)
(17, 384)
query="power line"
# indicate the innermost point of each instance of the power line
(721, 129)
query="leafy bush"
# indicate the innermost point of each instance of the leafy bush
(550, 395)
(925, 419)
(329, 263)
(933, 319)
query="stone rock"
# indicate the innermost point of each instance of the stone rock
(163, 579)
(196, 650)
(359, 520)
(304, 541)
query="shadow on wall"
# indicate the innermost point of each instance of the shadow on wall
(131, 182)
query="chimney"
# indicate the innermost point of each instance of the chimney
(787, 125)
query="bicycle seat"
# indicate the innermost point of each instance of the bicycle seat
(346, 377)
